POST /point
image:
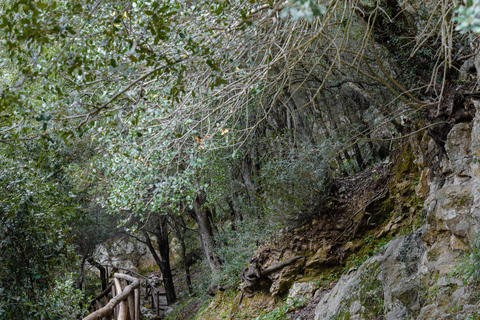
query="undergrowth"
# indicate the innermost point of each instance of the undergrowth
(236, 245)
(469, 267)
(371, 248)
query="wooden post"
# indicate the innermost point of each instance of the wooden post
(114, 294)
(98, 305)
(150, 297)
(127, 308)
(152, 294)
(105, 301)
(158, 302)
(131, 306)
(137, 304)
(121, 306)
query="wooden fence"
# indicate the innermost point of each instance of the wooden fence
(125, 299)
(125, 302)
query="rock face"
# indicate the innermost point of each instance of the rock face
(301, 292)
(419, 275)
(125, 254)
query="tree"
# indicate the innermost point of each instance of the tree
(160, 230)
(221, 104)
(34, 234)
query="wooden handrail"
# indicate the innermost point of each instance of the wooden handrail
(103, 294)
(119, 299)
(153, 293)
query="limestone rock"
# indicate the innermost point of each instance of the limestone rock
(125, 254)
(321, 258)
(458, 149)
(413, 276)
(423, 186)
(475, 142)
(384, 284)
(301, 291)
(453, 207)
(284, 279)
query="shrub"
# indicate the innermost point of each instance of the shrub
(469, 268)
(67, 301)
(237, 245)
(294, 181)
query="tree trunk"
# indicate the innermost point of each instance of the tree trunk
(247, 174)
(236, 213)
(81, 278)
(358, 157)
(161, 233)
(103, 272)
(298, 123)
(203, 218)
(338, 157)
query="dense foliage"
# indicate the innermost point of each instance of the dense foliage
(218, 117)
(33, 231)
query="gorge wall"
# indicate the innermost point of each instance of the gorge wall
(431, 272)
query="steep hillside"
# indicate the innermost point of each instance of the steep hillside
(396, 241)
(302, 159)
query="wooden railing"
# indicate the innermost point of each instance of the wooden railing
(125, 301)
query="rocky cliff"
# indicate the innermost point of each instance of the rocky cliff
(432, 272)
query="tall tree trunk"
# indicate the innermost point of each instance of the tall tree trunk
(247, 175)
(205, 232)
(326, 130)
(81, 278)
(161, 233)
(163, 262)
(235, 212)
(298, 123)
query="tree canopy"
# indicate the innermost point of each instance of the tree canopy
(204, 111)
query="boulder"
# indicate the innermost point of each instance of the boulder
(384, 284)
(321, 258)
(301, 292)
(458, 149)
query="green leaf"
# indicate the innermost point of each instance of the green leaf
(42, 5)
(319, 10)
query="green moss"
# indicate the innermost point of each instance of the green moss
(463, 202)
(371, 248)
(406, 165)
(433, 254)
(369, 294)
(387, 205)
(222, 306)
(324, 276)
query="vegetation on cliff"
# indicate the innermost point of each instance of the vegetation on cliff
(206, 130)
